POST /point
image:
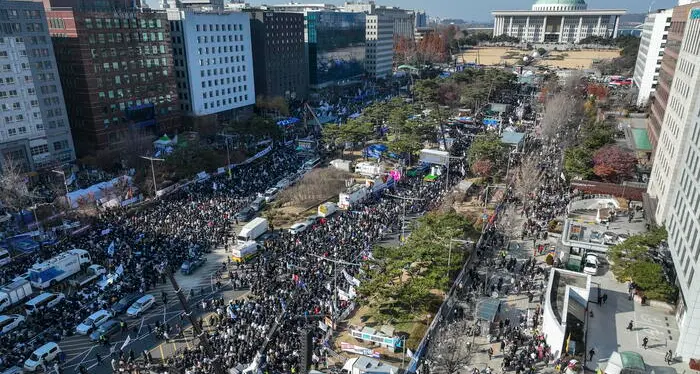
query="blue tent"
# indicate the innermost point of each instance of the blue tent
(375, 150)
(288, 121)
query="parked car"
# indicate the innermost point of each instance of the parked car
(141, 305)
(258, 204)
(107, 329)
(270, 194)
(125, 302)
(190, 265)
(10, 322)
(298, 228)
(609, 237)
(591, 265)
(245, 215)
(596, 237)
(622, 237)
(41, 356)
(94, 321)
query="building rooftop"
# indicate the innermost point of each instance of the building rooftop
(641, 139)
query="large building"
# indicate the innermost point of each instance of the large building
(659, 100)
(336, 47)
(665, 119)
(280, 63)
(116, 69)
(34, 131)
(405, 21)
(557, 21)
(651, 52)
(213, 62)
(379, 34)
(678, 159)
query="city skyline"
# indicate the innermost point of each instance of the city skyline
(481, 11)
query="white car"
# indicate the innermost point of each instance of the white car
(298, 227)
(41, 356)
(92, 322)
(270, 194)
(10, 322)
(141, 305)
(591, 265)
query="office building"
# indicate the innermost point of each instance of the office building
(213, 63)
(421, 19)
(379, 34)
(651, 51)
(280, 63)
(336, 47)
(34, 128)
(404, 20)
(678, 159)
(300, 7)
(116, 68)
(658, 102)
(557, 21)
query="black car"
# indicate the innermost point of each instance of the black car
(125, 302)
(106, 329)
(245, 215)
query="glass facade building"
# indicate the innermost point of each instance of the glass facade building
(336, 46)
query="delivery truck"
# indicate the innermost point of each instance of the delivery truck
(14, 293)
(353, 195)
(58, 268)
(243, 252)
(252, 230)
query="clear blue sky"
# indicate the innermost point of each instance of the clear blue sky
(478, 10)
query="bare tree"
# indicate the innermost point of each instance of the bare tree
(14, 192)
(528, 178)
(448, 353)
(563, 114)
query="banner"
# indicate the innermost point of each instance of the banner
(105, 232)
(126, 342)
(352, 280)
(110, 249)
(347, 347)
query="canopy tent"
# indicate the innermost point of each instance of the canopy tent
(375, 150)
(488, 309)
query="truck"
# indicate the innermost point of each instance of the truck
(243, 252)
(327, 209)
(50, 272)
(354, 194)
(252, 230)
(92, 273)
(14, 293)
(369, 169)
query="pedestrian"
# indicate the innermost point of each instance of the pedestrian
(490, 352)
(114, 364)
(645, 341)
(98, 358)
(630, 326)
(669, 357)
(605, 298)
(590, 354)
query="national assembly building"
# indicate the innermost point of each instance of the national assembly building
(557, 21)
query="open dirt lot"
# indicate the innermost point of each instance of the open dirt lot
(572, 59)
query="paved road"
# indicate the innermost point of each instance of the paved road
(80, 350)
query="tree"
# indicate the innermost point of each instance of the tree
(487, 147)
(483, 168)
(446, 353)
(529, 179)
(354, 131)
(562, 115)
(578, 163)
(14, 192)
(612, 163)
(597, 134)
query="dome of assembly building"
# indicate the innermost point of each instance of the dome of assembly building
(559, 5)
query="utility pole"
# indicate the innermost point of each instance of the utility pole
(228, 154)
(403, 217)
(153, 173)
(196, 327)
(335, 280)
(65, 184)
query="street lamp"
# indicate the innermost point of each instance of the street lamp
(449, 254)
(228, 154)
(153, 172)
(65, 184)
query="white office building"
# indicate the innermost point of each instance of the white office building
(213, 61)
(34, 128)
(675, 182)
(651, 51)
(379, 34)
(557, 21)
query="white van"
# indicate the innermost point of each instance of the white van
(44, 300)
(41, 356)
(5, 257)
(591, 265)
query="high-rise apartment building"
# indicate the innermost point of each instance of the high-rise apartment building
(404, 21)
(651, 51)
(213, 62)
(678, 158)
(34, 128)
(668, 66)
(280, 63)
(116, 67)
(379, 33)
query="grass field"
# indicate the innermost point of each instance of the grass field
(572, 59)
